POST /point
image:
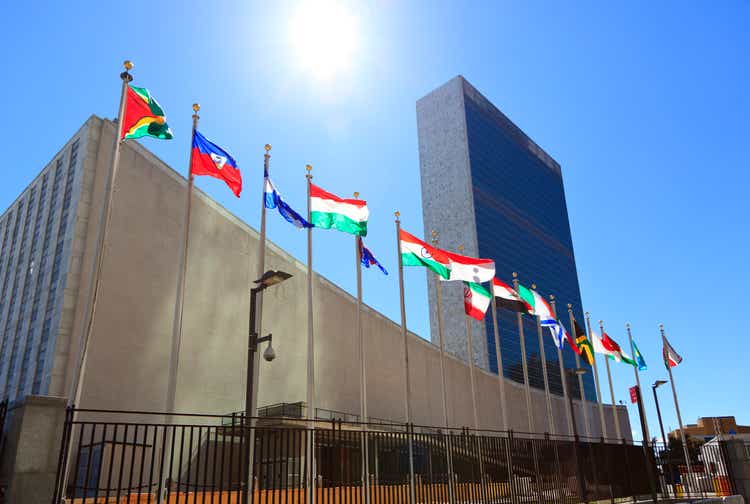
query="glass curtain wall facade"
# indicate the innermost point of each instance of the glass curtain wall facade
(36, 232)
(518, 217)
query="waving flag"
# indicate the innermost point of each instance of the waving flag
(415, 252)
(273, 199)
(367, 258)
(671, 357)
(476, 300)
(330, 211)
(509, 298)
(639, 360)
(143, 116)
(559, 334)
(540, 307)
(210, 159)
(470, 269)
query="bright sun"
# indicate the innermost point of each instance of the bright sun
(324, 36)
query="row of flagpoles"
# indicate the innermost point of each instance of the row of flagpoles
(140, 115)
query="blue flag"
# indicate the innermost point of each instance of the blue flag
(367, 258)
(639, 360)
(558, 333)
(273, 199)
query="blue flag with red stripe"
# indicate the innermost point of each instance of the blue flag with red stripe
(210, 159)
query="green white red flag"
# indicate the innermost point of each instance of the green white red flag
(476, 300)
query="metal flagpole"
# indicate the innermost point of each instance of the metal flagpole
(439, 296)
(261, 266)
(500, 374)
(363, 370)
(637, 380)
(543, 358)
(676, 406)
(580, 378)
(470, 354)
(448, 448)
(563, 375)
(179, 304)
(407, 382)
(74, 396)
(524, 364)
(609, 378)
(598, 392)
(310, 346)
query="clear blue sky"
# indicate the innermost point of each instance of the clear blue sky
(644, 105)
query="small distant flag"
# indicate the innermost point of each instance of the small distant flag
(210, 159)
(671, 357)
(273, 199)
(143, 116)
(586, 349)
(368, 259)
(639, 360)
(578, 332)
(538, 304)
(559, 334)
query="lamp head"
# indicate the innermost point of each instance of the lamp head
(269, 354)
(272, 277)
(659, 383)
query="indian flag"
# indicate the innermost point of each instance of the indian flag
(476, 300)
(329, 211)
(415, 252)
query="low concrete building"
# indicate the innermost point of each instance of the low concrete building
(708, 428)
(129, 351)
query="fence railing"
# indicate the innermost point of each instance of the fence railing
(141, 457)
(3, 414)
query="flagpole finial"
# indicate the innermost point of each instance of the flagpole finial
(356, 194)
(627, 325)
(588, 314)
(128, 65)
(515, 275)
(196, 108)
(601, 322)
(533, 286)
(570, 306)
(125, 75)
(309, 169)
(460, 248)
(661, 326)
(552, 297)
(267, 147)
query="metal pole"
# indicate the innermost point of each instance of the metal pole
(179, 305)
(500, 374)
(524, 364)
(74, 396)
(258, 324)
(310, 347)
(407, 383)
(582, 392)
(543, 358)
(470, 351)
(564, 379)
(609, 378)
(677, 408)
(448, 448)
(637, 380)
(363, 370)
(600, 400)
(658, 415)
(249, 387)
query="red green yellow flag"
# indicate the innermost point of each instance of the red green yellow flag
(143, 116)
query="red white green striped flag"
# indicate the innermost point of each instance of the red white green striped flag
(476, 300)
(329, 211)
(415, 252)
(509, 298)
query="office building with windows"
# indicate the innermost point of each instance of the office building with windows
(487, 186)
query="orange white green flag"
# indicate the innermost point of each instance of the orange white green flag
(415, 252)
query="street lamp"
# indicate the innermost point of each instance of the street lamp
(657, 384)
(269, 278)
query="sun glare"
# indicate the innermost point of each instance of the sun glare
(324, 36)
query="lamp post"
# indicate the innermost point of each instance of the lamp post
(571, 373)
(268, 279)
(657, 384)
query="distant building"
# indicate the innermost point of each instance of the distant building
(489, 187)
(708, 428)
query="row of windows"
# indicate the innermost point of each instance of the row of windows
(22, 354)
(522, 223)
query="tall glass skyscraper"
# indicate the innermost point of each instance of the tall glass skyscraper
(487, 186)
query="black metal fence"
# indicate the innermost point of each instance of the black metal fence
(3, 414)
(142, 457)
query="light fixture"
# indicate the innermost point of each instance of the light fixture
(659, 383)
(272, 277)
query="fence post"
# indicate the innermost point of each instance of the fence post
(627, 469)
(62, 469)
(579, 471)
